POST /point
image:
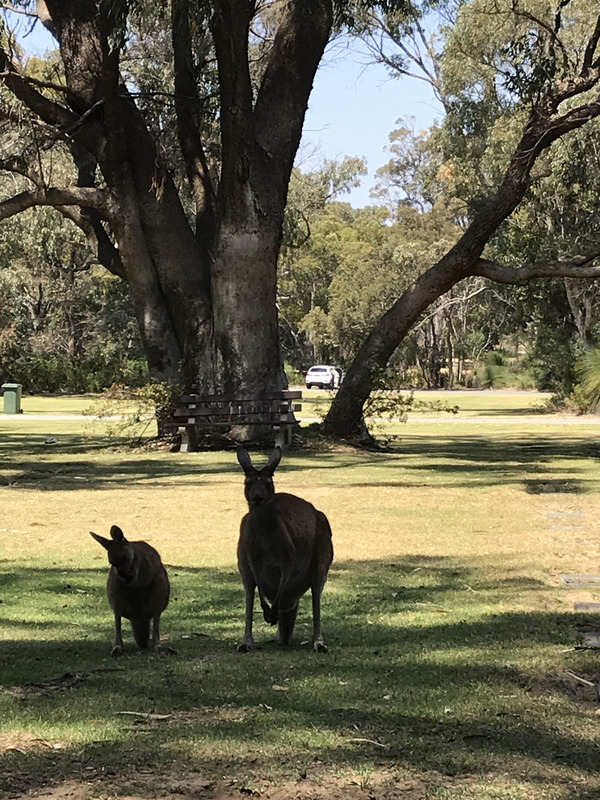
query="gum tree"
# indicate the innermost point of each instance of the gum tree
(542, 66)
(198, 250)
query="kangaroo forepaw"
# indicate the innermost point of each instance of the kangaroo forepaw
(117, 651)
(245, 646)
(320, 647)
(271, 615)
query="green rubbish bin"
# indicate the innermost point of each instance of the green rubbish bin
(12, 398)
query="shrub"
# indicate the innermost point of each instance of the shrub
(585, 396)
(79, 374)
(139, 409)
(492, 376)
(293, 375)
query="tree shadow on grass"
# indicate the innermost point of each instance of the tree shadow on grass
(460, 462)
(502, 461)
(27, 463)
(425, 686)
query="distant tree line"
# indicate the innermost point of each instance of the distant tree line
(66, 325)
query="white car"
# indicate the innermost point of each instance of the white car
(323, 376)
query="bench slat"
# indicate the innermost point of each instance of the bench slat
(232, 410)
(237, 419)
(285, 394)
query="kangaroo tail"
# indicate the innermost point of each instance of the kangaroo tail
(287, 620)
(141, 632)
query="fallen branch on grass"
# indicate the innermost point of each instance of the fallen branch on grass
(370, 741)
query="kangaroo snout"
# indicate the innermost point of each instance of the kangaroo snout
(259, 491)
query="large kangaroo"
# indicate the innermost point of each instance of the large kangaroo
(284, 550)
(138, 588)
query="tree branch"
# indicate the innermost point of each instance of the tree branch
(282, 98)
(26, 171)
(429, 71)
(88, 219)
(590, 50)
(188, 113)
(15, 10)
(99, 199)
(551, 31)
(454, 301)
(98, 240)
(579, 266)
(56, 87)
(541, 132)
(60, 117)
(229, 26)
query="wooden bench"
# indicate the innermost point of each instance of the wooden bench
(196, 413)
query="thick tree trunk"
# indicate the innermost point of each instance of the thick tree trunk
(245, 337)
(159, 341)
(164, 268)
(260, 137)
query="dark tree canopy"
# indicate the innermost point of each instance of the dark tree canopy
(195, 229)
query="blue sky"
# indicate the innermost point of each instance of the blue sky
(353, 107)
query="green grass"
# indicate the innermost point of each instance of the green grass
(58, 404)
(472, 403)
(450, 633)
(315, 403)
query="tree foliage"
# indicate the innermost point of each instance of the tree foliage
(514, 80)
(65, 325)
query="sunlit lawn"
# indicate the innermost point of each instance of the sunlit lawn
(59, 404)
(315, 403)
(465, 403)
(449, 629)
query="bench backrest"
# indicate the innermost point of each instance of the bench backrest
(258, 407)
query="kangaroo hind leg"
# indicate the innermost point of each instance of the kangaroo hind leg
(318, 644)
(287, 621)
(247, 642)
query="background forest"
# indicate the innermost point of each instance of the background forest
(66, 324)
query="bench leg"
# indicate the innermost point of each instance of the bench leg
(283, 436)
(189, 439)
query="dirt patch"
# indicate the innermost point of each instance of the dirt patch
(24, 742)
(552, 486)
(397, 790)
(333, 788)
(60, 684)
(582, 690)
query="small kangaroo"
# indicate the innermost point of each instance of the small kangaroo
(138, 588)
(284, 549)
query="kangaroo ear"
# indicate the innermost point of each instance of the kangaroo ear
(117, 534)
(106, 543)
(273, 461)
(244, 459)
